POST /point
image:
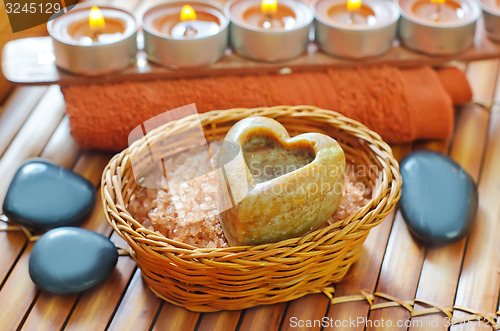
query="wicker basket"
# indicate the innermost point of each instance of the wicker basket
(241, 277)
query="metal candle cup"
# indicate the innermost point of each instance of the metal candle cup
(284, 37)
(491, 17)
(438, 37)
(112, 49)
(168, 47)
(365, 32)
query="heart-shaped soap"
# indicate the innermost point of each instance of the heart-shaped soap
(45, 195)
(70, 260)
(273, 187)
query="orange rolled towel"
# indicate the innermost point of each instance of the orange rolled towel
(401, 105)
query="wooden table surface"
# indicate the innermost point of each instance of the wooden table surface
(465, 274)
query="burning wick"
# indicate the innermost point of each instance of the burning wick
(96, 23)
(352, 6)
(268, 7)
(437, 15)
(188, 14)
(190, 31)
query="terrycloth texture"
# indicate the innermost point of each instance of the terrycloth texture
(401, 105)
(456, 84)
(431, 108)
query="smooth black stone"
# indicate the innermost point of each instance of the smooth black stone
(438, 198)
(70, 260)
(45, 195)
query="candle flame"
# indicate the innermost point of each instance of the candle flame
(188, 13)
(96, 20)
(439, 2)
(353, 4)
(269, 6)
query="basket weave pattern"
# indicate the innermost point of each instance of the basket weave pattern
(233, 278)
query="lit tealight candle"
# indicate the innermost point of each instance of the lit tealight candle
(269, 30)
(354, 12)
(270, 16)
(355, 28)
(491, 14)
(439, 27)
(185, 33)
(439, 10)
(94, 41)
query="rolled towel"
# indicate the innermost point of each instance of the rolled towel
(402, 105)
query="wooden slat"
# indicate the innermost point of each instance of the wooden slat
(49, 312)
(483, 79)
(11, 246)
(90, 165)
(175, 318)
(33, 135)
(312, 307)
(97, 305)
(224, 320)
(17, 293)
(17, 108)
(470, 139)
(138, 307)
(263, 317)
(61, 147)
(400, 272)
(480, 277)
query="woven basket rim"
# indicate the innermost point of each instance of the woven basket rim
(156, 243)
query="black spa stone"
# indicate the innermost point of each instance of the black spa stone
(45, 195)
(438, 198)
(70, 260)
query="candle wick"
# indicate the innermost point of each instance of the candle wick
(95, 35)
(190, 31)
(267, 20)
(438, 11)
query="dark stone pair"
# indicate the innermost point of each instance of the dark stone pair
(65, 259)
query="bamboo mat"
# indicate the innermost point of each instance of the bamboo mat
(465, 274)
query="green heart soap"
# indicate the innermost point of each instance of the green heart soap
(44, 195)
(274, 187)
